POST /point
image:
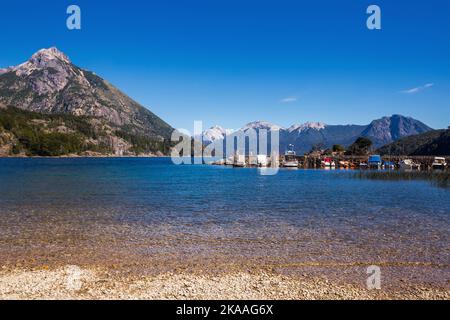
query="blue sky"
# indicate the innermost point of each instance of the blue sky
(231, 62)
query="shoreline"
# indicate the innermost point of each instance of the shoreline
(73, 283)
(131, 236)
(85, 157)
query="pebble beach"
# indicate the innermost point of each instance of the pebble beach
(102, 284)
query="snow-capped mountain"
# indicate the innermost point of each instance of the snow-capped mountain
(306, 126)
(215, 133)
(261, 125)
(305, 136)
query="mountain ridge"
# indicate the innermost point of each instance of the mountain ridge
(311, 134)
(49, 83)
(431, 143)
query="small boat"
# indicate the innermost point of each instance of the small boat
(219, 162)
(290, 163)
(290, 160)
(328, 162)
(439, 163)
(375, 162)
(239, 161)
(344, 164)
(408, 164)
(262, 160)
(363, 165)
(389, 165)
(229, 161)
(253, 161)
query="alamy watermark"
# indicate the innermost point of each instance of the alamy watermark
(73, 278)
(374, 20)
(73, 22)
(252, 147)
(374, 280)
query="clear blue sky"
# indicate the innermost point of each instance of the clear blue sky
(230, 62)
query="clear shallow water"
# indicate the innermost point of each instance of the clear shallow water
(140, 212)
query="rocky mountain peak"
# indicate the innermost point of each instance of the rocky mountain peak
(49, 83)
(306, 135)
(43, 59)
(47, 71)
(306, 126)
(45, 55)
(215, 133)
(388, 129)
(261, 125)
(217, 128)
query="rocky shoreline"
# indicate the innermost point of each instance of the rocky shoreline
(101, 284)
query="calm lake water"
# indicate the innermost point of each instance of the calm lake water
(136, 212)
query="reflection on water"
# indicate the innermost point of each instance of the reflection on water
(137, 211)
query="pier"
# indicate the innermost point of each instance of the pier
(315, 161)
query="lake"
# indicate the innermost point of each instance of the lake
(147, 215)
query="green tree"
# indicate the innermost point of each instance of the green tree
(338, 148)
(317, 147)
(361, 146)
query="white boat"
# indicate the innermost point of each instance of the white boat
(239, 160)
(409, 164)
(262, 160)
(439, 163)
(328, 162)
(253, 160)
(290, 164)
(229, 161)
(290, 160)
(219, 162)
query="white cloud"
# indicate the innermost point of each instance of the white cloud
(418, 89)
(288, 100)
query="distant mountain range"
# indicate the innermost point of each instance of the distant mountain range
(307, 135)
(432, 143)
(49, 106)
(48, 83)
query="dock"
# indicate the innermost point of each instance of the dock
(351, 162)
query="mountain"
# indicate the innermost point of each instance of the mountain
(306, 126)
(259, 125)
(389, 129)
(432, 143)
(439, 146)
(411, 144)
(49, 83)
(215, 133)
(307, 135)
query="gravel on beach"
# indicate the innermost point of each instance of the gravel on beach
(72, 282)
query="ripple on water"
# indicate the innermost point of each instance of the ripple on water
(148, 211)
